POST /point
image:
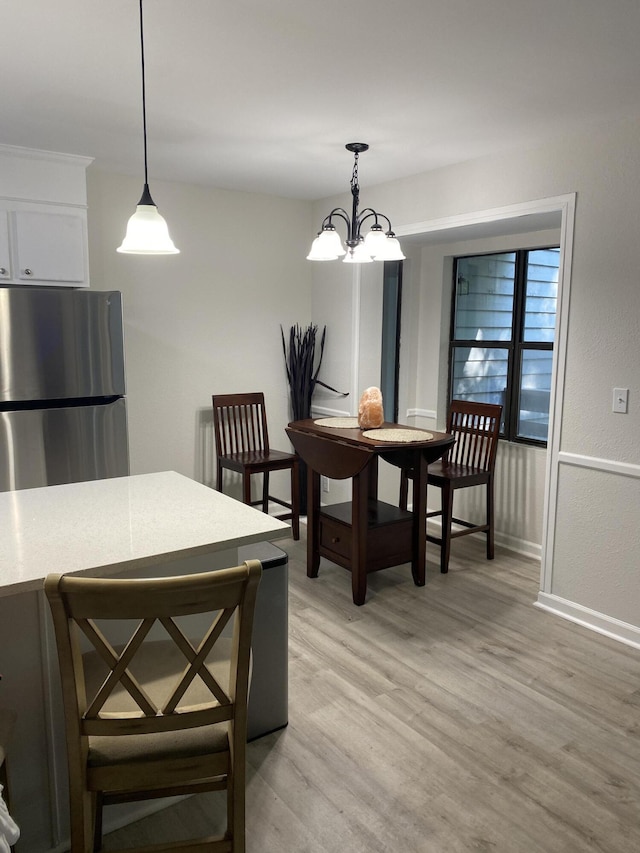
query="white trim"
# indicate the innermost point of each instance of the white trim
(38, 154)
(422, 413)
(624, 632)
(557, 397)
(612, 466)
(355, 337)
(542, 205)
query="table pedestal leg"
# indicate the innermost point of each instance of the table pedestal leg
(359, 531)
(313, 523)
(419, 533)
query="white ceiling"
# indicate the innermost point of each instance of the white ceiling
(262, 95)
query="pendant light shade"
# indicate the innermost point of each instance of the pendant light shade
(147, 232)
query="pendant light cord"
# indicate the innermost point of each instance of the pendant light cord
(144, 100)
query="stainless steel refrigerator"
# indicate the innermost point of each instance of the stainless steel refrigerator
(63, 415)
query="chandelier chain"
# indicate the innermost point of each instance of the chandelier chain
(354, 175)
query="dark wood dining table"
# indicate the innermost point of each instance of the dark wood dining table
(365, 534)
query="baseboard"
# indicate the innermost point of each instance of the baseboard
(624, 632)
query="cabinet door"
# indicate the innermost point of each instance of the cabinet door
(5, 260)
(50, 247)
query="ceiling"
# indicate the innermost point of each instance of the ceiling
(262, 95)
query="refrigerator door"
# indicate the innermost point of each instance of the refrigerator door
(47, 447)
(60, 344)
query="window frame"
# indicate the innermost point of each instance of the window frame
(514, 347)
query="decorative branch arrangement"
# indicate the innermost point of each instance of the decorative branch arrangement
(302, 371)
(302, 374)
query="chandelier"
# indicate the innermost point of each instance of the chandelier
(377, 245)
(147, 232)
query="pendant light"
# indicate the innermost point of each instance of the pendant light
(377, 245)
(147, 232)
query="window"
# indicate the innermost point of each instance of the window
(502, 335)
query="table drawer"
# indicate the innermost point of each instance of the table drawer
(335, 540)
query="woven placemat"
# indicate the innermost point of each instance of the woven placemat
(338, 423)
(398, 435)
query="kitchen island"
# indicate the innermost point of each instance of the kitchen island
(148, 524)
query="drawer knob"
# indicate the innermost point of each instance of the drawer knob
(28, 271)
(3, 271)
(335, 539)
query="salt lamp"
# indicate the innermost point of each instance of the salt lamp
(370, 409)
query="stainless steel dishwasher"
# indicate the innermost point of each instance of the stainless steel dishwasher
(269, 691)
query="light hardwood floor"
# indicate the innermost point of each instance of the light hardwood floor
(456, 717)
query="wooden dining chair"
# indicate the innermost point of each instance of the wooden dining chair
(242, 445)
(469, 462)
(149, 710)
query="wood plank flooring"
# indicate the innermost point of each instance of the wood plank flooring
(455, 717)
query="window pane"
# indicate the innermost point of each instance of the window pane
(541, 295)
(484, 297)
(535, 394)
(479, 374)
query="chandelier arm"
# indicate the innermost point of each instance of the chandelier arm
(342, 214)
(368, 212)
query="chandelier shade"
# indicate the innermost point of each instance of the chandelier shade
(147, 231)
(376, 245)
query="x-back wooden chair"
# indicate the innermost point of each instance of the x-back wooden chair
(149, 711)
(469, 462)
(242, 445)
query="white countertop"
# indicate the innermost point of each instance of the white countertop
(119, 523)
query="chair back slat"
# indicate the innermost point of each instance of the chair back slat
(128, 687)
(476, 427)
(240, 423)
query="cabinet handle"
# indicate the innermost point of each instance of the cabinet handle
(3, 271)
(28, 271)
(335, 540)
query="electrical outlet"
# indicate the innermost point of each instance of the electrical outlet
(621, 400)
(325, 484)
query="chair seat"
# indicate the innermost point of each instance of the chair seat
(271, 459)
(463, 475)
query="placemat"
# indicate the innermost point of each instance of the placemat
(398, 435)
(338, 423)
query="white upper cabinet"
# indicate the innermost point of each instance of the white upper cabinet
(50, 247)
(43, 218)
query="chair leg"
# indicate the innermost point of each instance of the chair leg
(447, 515)
(490, 532)
(83, 814)
(295, 500)
(404, 489)
(236, 809)
(97, 822)
(265, 492)
(218, 477)
(246, 487)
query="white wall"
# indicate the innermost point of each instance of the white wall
(603, 167)
(204, 321)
